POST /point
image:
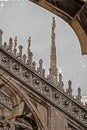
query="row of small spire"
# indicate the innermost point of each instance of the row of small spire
(53, 76)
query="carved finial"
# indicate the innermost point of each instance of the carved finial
(1, 32)
(40, 63)
(10, 44)
(69, 90)
(15, 45)
(15, 42)
(79, 94)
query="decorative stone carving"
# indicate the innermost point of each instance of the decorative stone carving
(5, 61)
(49, 91)
(46, 91)
(26, 75)
(15, 67)
(36, 84)
(55, 96)
(65, 103)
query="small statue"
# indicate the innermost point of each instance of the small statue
(29, 43)
(53, 25)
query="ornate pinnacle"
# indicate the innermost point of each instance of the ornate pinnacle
(15, 45)
(53, 66)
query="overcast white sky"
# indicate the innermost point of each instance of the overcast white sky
(24, 19)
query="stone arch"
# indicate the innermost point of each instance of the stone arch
(17, 89)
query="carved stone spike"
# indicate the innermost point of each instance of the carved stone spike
(69, 90)
(15, 45)
(79, 94)
(10, 45)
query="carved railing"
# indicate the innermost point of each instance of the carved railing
(17, 66)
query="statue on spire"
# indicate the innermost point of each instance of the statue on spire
(29, 53)
(29, 43)
(53, 25)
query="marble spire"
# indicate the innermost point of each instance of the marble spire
(53, 60)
